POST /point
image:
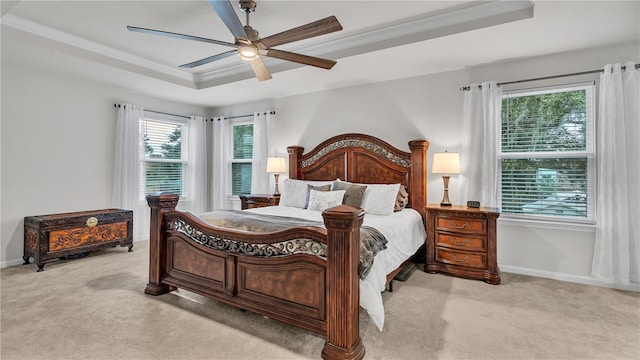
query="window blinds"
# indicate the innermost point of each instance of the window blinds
(547, 153)
(164, 157)
(241, 165)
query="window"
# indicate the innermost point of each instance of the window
(546, 155)
(164, 160)
(242, 158)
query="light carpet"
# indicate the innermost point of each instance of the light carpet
(95, 308)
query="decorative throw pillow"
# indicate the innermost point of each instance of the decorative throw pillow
(402, 199)
(354, 193)
(321, 200)
(315, 187)
(380, 199)
(293, 192)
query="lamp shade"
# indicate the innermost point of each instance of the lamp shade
(446, 163)
(276, 165)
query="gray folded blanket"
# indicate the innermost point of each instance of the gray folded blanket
(371, 240)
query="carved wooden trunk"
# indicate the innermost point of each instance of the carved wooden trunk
(49, 237)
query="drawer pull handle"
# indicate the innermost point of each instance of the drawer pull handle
(453, 223)
(465, 258)
(456, 242)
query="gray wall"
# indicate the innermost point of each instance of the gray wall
(431, 107)
(57, 139)
(57, 150)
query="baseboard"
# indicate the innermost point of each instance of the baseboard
(587, 280)
(12, 262)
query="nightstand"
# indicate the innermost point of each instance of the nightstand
(461, 241)
(258, 200)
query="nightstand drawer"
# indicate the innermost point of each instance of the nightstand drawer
(461, 224)
(461, 242)
(476, 260)
(252, 205)
(256, 201)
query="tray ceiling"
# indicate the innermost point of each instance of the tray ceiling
(381, 40)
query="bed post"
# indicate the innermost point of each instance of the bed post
(343, 283)
(295, 153)
(159, 203)
(417, 195)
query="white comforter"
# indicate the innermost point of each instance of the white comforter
(405, 234)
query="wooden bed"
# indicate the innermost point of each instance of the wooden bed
(311, 290)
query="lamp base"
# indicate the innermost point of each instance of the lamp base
(277, 192)
(445, 198)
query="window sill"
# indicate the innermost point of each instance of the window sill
(568, 225)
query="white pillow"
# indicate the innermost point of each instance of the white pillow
(380, 199)
(294, 192)
(321, 200)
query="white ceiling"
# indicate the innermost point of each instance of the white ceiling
(381, 40)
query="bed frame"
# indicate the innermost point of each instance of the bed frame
(304, 276)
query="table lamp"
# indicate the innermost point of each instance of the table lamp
(276, 165)
(446, 163)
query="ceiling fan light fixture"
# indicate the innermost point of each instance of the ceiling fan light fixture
(247, 52)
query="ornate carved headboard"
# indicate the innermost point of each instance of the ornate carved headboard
(365, 159)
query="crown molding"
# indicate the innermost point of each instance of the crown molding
(465, 18)
(470, 17)
(89, 49)
(476, 16)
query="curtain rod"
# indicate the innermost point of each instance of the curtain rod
(158, 112)
(467, 88)
(205, 119)
(247, 115)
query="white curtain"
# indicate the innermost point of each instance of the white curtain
(221, 171)
(262, 124)
(616, 258)
(196, 175)
(478, 158)
(128, 171)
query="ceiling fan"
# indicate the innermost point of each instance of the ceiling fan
(249, 46)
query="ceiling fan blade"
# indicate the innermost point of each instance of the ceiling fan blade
(324, 26)
(299, 58)
(260, 69)
(209, 59)
(179, 36)
(225, 11)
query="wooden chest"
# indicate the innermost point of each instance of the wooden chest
(50, 237)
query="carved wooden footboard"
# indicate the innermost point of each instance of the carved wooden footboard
(307, 277)
(304, 276)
